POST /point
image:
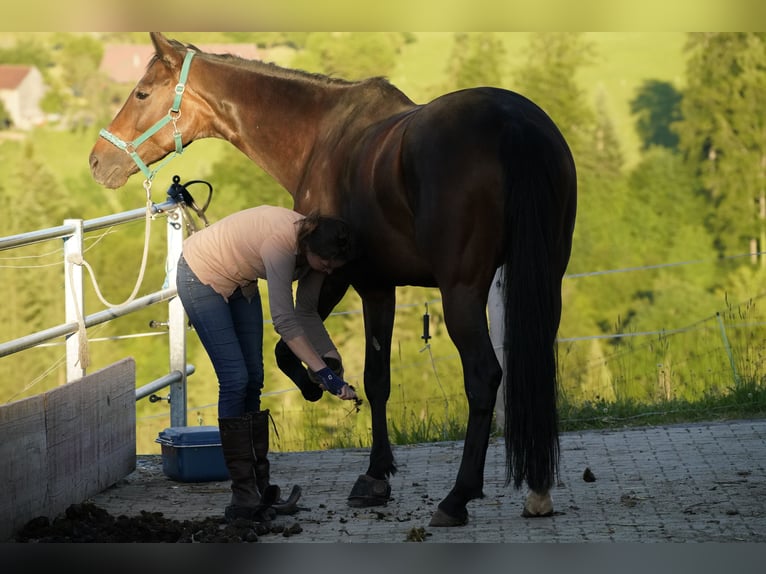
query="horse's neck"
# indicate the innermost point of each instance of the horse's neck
(277, 116)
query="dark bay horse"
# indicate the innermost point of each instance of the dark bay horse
(440, 195)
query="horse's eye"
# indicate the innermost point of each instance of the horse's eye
(142, 95)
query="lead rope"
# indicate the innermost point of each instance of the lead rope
(77, 259)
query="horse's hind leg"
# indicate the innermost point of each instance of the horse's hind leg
(538, 504)
(465, 317)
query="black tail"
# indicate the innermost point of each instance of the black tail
(540, 219)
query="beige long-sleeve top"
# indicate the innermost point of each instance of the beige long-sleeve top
(261, 243)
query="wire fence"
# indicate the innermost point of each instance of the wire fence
(707, 357)
(713, 354)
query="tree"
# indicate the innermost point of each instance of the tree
(5, 118)
(296, 40)
(28, 51)
(239, 183)
(662, 198)
(606, 144)
(657, 106)
(79, 57)
(350, 55)
(476, 60)
(549, 78)
(723, 131)
(83, 88)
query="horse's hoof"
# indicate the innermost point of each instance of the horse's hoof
(527, 514)
(538, 505)
(441, 518)
(368, 491)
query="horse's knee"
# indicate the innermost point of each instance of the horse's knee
(538, 504)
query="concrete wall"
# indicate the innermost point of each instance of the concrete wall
(63, 446)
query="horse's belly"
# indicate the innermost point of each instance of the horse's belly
(398, 270)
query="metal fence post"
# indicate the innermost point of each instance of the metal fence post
(74, 299)
(176, 319)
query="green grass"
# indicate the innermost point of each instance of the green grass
(746, 402)
(414, 430)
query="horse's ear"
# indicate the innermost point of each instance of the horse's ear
(165, 49)
(160, 42)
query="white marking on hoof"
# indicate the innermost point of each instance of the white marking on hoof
(538, 505)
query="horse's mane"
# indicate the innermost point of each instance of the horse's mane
(380, 82)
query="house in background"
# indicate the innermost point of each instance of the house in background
(126, 63)
(21, 89)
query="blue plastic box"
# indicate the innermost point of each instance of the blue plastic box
(193, 454)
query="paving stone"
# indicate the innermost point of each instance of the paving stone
(685, 483)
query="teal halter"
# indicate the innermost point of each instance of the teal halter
(174, 113)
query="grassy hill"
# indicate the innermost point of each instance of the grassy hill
(624, 60)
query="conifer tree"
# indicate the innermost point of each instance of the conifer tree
(723, 132)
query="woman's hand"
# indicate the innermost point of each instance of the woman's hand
(331, 380)
(347, 393)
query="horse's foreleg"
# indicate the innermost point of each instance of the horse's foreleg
(333, 290)
(372, 488)
(468, 328)
(452, 510)
(292, 366)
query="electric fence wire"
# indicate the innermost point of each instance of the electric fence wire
(661, 332)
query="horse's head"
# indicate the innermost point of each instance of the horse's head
(153, 122)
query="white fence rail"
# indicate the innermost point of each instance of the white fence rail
(71, 232)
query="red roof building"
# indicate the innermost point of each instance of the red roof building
(21, 89)
(126, 63)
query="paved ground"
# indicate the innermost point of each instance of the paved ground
(699, 483)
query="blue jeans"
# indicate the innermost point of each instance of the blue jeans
(232, 335)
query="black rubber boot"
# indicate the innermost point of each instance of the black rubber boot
(260, 434)
(291, 366)
(237, 446)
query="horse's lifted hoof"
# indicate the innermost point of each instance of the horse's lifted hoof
(368, 491)
(441, 518)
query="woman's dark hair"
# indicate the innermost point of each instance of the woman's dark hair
(327, 237)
